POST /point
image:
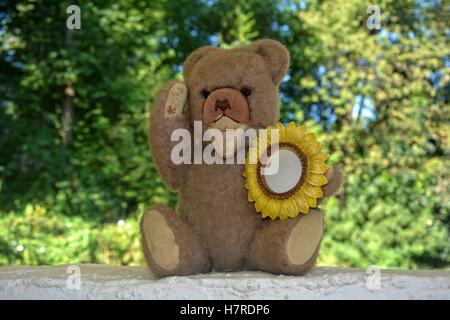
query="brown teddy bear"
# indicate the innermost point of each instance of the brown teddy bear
(216, 227)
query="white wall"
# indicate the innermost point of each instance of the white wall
(106, 282)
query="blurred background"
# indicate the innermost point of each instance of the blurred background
(75, 169)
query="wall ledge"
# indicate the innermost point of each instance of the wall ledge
(109, 282)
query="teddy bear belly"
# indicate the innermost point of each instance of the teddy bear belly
(214, 202)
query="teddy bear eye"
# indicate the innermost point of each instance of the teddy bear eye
(246, 91)
(205, 93)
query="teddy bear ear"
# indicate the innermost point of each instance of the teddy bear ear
(195, 57)
(275, 55)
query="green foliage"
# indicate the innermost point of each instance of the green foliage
(36, 236)
(379, 99)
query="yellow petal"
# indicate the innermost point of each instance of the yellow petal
(252, 156)
(283, 210)
(320, 156)
(251, 182)
(291, 208)
(311, 148)
(250, 169)
(301, 128)
(272, 209)
(281, 213)
(317, 180)
(309, 137)
(317, 166)
(250, 197)
(282, 217)
(302, 205)
(312, 202)
(252, 174)
(261, 204)
(298, 134)
(312, 191)
(277, 210)
(254, 194)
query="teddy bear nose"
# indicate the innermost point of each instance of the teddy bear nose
(222, 104)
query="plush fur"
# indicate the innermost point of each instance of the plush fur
(217, 228)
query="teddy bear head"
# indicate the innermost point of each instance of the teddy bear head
(236, 88)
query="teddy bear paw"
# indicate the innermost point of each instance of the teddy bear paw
(176, 100)
(170, 246)
(305, 238)
(160, 241)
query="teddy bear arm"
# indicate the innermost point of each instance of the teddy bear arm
(166, 117)
(335, 177)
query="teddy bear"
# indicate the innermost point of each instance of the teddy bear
(215, 226)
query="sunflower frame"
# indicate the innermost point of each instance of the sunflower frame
(307, 190)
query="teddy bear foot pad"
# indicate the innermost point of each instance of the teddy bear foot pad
(169, 244)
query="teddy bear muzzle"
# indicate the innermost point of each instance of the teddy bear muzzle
(226, 108)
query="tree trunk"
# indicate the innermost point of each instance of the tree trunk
(69, 92)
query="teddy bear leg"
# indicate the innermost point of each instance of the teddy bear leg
(287, 246)
(170, 246)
